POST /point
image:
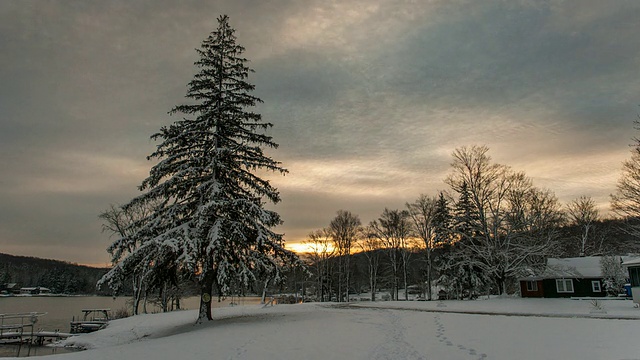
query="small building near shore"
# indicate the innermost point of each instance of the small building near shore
(9, 288)
(35, 290)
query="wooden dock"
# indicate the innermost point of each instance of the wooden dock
(20, 329)
(39, 337)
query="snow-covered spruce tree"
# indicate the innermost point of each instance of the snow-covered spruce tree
(212, 222)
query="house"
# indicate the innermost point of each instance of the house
(568, 277)
(9, 288)
(34, 290)
(633, 266)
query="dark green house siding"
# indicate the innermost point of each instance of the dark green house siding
(582, 287)
(634, 275)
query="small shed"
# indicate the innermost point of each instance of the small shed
(9, 288)
(566, 277)
(38, 290)
(633, 266)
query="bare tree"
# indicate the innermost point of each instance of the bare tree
(583, 213)
(626, 201)
(344, 230)
(319, 242)
(393, 229)
(370, 246)
(423, 213)
(122, 222)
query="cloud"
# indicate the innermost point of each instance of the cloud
(76, 173)
(368, 98)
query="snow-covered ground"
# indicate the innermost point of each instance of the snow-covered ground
(552, 329)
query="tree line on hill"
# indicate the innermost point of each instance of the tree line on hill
(59, 276)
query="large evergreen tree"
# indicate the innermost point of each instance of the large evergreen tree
(211, 222)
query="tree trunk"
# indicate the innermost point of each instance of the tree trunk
(340, 275)
(429, 274)
(371, 283)
(501, 287)
(470, 281)
(374, 289)
(164, 297)
(206, 287)
(264, 292)
(404, 273)
(347, 266)
(136, 299)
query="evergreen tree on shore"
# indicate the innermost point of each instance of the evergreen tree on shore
(211, 222)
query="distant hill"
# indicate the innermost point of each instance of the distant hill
(59, 276)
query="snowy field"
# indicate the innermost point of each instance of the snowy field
(533, 329)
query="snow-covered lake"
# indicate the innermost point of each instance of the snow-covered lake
(532, 329)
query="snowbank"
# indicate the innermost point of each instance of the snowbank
(381, 330)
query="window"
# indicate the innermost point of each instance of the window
(564, 285)
(532, 286)
(595, 286)
(634, 272)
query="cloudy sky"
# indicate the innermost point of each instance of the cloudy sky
(368, 98)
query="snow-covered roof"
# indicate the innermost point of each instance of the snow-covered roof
(588, 266)
(631, 262)
(577, 267)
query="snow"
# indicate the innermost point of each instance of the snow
(534, 329)
(631, 261)
(582, 266)
(588, 266)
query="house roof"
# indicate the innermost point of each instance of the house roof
(631, 262)
(577, 267)
(574, 267)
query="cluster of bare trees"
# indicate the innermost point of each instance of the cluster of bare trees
(332, 247)
(148, 282)
(490, 227)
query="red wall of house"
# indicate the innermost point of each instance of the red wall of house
(525, 293)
